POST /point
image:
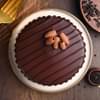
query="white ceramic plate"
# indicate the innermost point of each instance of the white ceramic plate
(82, 71)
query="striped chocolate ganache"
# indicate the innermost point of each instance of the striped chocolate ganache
(43, 64)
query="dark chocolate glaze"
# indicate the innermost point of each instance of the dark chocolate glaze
(43, 64)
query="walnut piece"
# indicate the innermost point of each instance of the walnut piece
(57, 41)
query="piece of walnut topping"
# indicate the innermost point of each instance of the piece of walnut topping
(57, 41)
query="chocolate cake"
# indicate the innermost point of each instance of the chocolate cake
(43, 64)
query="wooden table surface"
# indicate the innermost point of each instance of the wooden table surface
(12, 89)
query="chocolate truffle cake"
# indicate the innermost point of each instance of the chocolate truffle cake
(43, 65)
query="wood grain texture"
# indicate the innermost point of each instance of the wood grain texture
(12, 89)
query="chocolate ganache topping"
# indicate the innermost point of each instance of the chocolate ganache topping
(43, 64)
